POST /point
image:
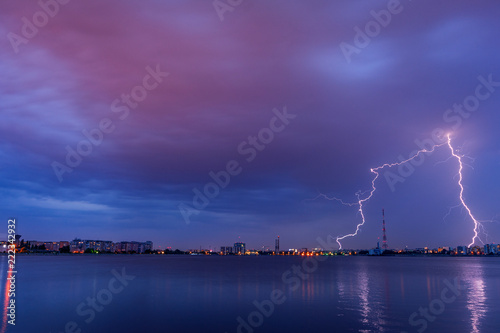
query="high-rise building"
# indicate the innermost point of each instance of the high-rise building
(225, 250)
(490, 248)
(462, 250)
(18, 240)
(239, 248)
(277, 245)
(145, 246)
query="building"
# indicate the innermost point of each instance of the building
(77, 246)
(476, 250)
(490, 249)
(239, 248)
(133, 247)
(45, 246)
(376, 251)
(145, 246)
(52, 246)
(127, 247)
(225, 250)
(18, 240)
(463, 250)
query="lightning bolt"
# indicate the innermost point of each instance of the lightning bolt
(363, 197)
(362, 201)
(460, 178)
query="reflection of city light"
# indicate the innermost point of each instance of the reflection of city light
(476, 299)
(363, 293)
(6, 301)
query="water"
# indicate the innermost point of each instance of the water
(208, 294)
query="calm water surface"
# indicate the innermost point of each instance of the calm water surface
(117, 293)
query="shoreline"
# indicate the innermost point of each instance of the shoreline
(217, 255)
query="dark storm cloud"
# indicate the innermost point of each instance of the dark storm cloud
(225, 78)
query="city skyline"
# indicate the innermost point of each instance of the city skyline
(80, 246)
(323, 245)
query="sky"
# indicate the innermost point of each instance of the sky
(116, 115)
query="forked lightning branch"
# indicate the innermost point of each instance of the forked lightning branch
(363, 199)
